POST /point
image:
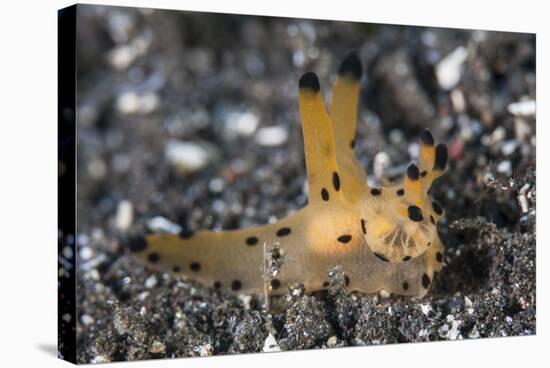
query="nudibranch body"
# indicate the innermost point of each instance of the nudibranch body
(383, 238)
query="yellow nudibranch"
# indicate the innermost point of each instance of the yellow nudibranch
(384, 238)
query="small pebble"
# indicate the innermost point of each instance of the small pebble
(384, 294)
(133, 103)
(205, 350)
(449, 69)
(474, 333)
(523, 108)
(522, 129)
(68, 252)
(87, 319)
(426, 309)
(270, 344)
(216, 185)
(163, 225)
(498, 135)
(151, 282)
(522, 198)
(97, 169)
(241, 123)
(186, 157)
(124, 215)
(414, 149)
(458, 100)
(86, 253)
(271, 136)
(454, 332)
(127, 103)
(157, 347)
(505, 167)
(381, 162)
(121, 57)
(443, 331)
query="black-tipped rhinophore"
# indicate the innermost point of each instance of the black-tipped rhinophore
(351, 66)
(440, 157)
(427, 138)
(412, 172)
(309, 80)
(137, 244)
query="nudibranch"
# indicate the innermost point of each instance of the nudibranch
(384, 238)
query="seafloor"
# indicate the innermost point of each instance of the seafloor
(191, 119)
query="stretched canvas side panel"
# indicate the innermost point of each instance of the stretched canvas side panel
(66, 188)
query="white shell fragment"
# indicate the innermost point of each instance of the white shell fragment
(160, 224)
(271, 136)
(523, 108)
(187, 157)
(270, 344)
(124, 215)
(449, 70)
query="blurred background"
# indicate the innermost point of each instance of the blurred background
(189, 119)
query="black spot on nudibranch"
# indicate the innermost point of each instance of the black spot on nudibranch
(406, 258)
(195, 266)
(251, 240)
(376, 191)
(236, 285)
(432, 220)
(284, 231)
(186, 233)
(310, 81)
(427, 138)
(423, 173)
(405, 285)
(437, 208)
(352, 144)
(426, 281)
(336, 181)
(364, 226)
(153, 257)
(344, 238)
(137, 244)
(381, 257)
(412, 172)
(176, 269)
(217, 285)
(275, 284)
(400, 192)
(346, 277)
(351, 66)
(439, 257)
(326, 284)
(440, 157)
(415, 213)
(324, 194)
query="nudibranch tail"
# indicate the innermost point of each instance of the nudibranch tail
(232, 260)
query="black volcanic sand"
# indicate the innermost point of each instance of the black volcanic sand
(148, 78)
